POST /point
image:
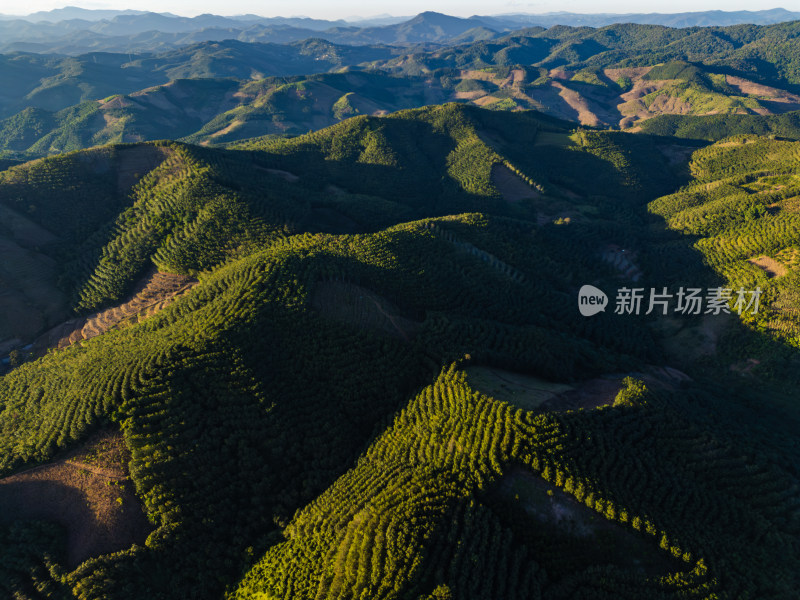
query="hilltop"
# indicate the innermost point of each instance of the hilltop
(620, 77)
(350, 364)
(76, 31)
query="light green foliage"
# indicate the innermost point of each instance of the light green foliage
(283, 452)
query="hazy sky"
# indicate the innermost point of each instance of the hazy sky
(347, 8)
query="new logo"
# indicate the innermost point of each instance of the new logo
(591, 300)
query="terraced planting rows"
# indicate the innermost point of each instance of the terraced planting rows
(745, 233)
(321, 415)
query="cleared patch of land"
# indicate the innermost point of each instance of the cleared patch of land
(677, 154)
(286, 175)
(550, 138)
(686, 344)
(769, 265)
(136, 162)
(775, 95)
(532, 393)
(524, 391)
(573, 533)
(590, 394)
(153, 293)
(511, 186)
(87, 492)
(579, 104)
(355, 305)
(29, 297)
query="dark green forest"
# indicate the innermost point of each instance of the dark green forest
(310, 419)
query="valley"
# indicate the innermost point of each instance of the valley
(300, 319)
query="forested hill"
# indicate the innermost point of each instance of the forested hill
(73, 31)
(370, 378)
(216, 93)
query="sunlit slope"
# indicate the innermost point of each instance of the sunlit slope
(286, 438)
(211, 111)
(422, 513)
(743, 211)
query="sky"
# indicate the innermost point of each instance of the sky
(325, 9)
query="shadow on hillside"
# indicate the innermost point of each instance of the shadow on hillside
(96, 522)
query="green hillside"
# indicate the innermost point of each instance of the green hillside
(305, 422)
(221, 111)
(54, 82)
(742, 210)
(715, 127)
(619, 76)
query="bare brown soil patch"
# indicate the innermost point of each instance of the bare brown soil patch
(154, 292)
(578, 103)
(633, 73)
(363, 106)
(479, 75)
(671, 105)
(644, 87)
(468, 95)
(358, 306)
(769, 265)
(751, 88)
(511, 186)
(87, 492)
(225, 130)
(632, 108)
(485, 100)
(561, 74)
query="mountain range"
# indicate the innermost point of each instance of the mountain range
(76, 31)
(351, 364)
(618, 76)
(446, 312)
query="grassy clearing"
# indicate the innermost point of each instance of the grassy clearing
(520, 390)
(551, 138)
(569, 534)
